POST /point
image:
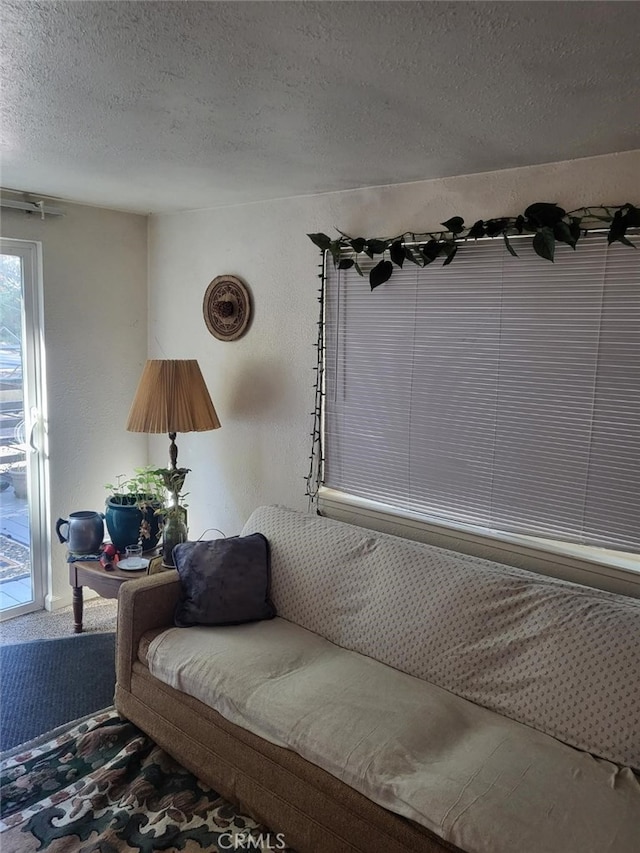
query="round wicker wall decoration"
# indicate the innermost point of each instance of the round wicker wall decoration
(227, 307)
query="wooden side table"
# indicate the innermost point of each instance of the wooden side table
(93, 574)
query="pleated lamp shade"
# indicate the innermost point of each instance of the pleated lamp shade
(172, 397)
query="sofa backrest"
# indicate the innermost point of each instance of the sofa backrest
(560, 657)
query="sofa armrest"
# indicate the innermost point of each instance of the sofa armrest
(143, 605)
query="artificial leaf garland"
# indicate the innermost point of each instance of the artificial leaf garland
(549, 224)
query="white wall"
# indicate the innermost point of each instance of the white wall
(262, 385)
(95, 303)
(95, 274)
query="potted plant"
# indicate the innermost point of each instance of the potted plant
(174, 514)
(134, 509)
(18, 478)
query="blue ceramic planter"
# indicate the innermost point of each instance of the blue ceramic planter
(127, 524)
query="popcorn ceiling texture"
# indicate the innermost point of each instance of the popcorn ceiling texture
(162, 106)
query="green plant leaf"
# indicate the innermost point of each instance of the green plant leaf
(562, 232)
(346, 263)
(376, 247)
(450, 251)
(358, 268)
(507, 243)
(631, 217)
(357, 244)
(544, 244)
(617, 230)
(477, 230)
(380, 273)
(519, 224)
(455, 224)
(321, 241)
(398, 253)
(431, 250)
(496, 226)
(544, 214)
(574, 228)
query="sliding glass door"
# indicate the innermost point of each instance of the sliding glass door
(23, 452)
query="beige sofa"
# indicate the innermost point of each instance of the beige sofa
(406, 698)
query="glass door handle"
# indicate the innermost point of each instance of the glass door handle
(35, 420)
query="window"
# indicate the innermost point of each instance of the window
(496, 392)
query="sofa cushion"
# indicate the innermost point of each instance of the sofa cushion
(479, 780)
(224, 581)
(557, 656)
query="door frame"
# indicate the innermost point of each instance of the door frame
(35, 410)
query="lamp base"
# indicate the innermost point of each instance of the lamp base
(175, 532)
(173, 451)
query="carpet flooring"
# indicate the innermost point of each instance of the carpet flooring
(99, 616)
(103, 785)
(49, 682)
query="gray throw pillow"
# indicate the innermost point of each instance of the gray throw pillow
(224, 581)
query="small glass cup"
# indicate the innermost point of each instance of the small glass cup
(133, 553)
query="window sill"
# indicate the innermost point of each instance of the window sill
(608, 570)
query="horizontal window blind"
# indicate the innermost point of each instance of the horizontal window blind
(498, 391)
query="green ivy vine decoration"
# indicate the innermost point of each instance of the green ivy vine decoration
(548, 223)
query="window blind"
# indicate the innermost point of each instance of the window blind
(498, 391)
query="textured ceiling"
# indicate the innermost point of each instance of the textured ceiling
(160, 106)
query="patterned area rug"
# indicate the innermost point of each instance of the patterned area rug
(102, 785)
(15, 559)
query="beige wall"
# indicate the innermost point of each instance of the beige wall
(262, 385)
(95, 311)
